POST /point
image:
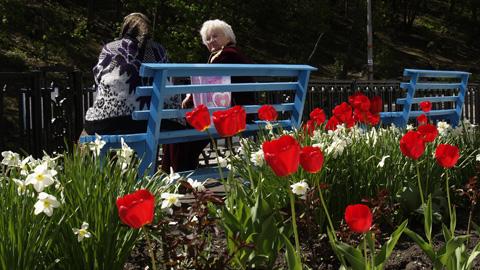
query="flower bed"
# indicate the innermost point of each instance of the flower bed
(345, 180)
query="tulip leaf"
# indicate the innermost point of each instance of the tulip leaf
(449, 248)
(446, 233)
(453, 220)
(427, 215)
(387, 248)
(293, 259)
(352, 255)
(473, 255)
(425, 246)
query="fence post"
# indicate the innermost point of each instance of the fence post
(36, 113)
(77, 105)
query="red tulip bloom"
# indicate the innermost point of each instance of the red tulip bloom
(447, 155)
(136, 209)
(199, 118)
(343, 112)
(311, 159)
(309, 127)
(360, 102)
(332, 123)
(422, 119)
(241, 117)
(267, 113)
(412, 145)
(282, 155)
(376, 105)
(373, 119)
(318, 115)
(426, 106)
(359, 218)
(429, 132)
(230, 122)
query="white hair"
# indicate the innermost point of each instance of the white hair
(210, 25)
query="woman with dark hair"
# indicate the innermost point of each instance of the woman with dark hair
(117, 75)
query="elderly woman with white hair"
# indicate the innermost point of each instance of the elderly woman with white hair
(220, 41)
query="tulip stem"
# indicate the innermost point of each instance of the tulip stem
(326, 212)
(216, 154)
(294, 223)
(365, 250)
(447, 187)
(420, 184)
(150, 250)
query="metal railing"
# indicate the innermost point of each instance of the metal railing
(44, 110)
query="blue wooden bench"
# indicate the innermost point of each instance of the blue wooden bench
(277, 78)
(423, 81)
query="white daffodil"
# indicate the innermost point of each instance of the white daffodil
(51, 162)
(26, 164)
(82, 232)
(478, 157)
(410, 127)
(268, 126)
(443, 128)
(299, 188)
(125, 155)
(22, 187)
(222, 162)
(172, 176)
(196, 185)
(10, 159)
(41, 177)
(45, 204)
(257, 158)
(170, 199)
(97, 145)
(382, 162)
(337, 147)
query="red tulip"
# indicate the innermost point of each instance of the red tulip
(447, 155)
(332, 123)
(318, 115)
(241, 117)
(422, 119)
(282, 155)
(311, 159)
(199, 118)
(309, 127)
(376, 105)
(429, 132)
(412, 145)
(426, 106)
(136, 209)
(359, 218)
(230, 122)
(343, 112)
(267, 113)
(360, 102)
(373, 119)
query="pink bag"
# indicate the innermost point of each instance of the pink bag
(212, 99)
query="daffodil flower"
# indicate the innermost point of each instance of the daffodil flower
(82, 232)
(41, 177)
(196, 185)
(45, 204)
(300, 188)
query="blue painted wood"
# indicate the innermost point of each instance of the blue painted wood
(284, 78)
(426, 80)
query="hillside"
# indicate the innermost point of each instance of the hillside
(70, 33)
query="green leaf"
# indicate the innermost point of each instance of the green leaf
(453, 220)
(353, 255)
(449, 248)
(293, 259)
(446, 233)
(387, 248)
(425, 246)
(427, 216)
(473, 255)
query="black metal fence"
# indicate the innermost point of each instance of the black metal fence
(43, 110)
